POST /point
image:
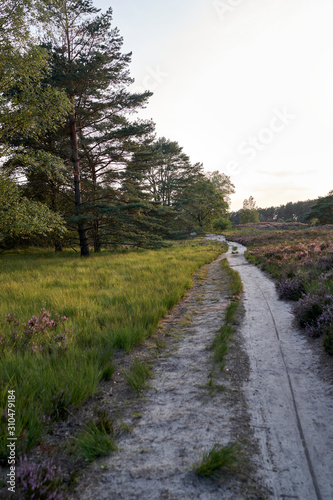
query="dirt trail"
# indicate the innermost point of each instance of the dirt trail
(290, 404)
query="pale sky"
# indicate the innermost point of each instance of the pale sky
(244, 86)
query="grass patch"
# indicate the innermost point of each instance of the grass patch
(222, 339)
(137, 375)
(111, 301)
(235, 283)
(94, 442)
(217, 460)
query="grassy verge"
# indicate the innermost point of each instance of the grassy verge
(54, 359)
(222, 339)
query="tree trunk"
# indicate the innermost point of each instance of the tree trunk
(96, 237)
(58, 246)
(58, 242)
(77, 187)
(96, 234)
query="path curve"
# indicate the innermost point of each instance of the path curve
(291, 407)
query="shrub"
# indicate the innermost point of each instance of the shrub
(222, 224)
(314, 311)
(290, 288)
(41, 482)
(39, 335)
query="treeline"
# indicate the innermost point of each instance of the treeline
(315, 212)
(77, 167)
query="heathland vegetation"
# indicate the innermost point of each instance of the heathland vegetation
(300, 258)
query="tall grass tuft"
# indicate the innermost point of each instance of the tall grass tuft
(217, 460)
(137, 375)
(94, 442)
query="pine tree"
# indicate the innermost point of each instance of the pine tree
(86, 62)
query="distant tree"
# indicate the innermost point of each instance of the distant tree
(322, 210)
(249, 212)
(222, 224)
(167, 171)
(234, 217)
(222, 183)
(202, 201)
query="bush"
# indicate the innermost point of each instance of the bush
(328, 341)
(39, 335)
(41, 482)
(222, 224)
(290, 288)
(314, 311)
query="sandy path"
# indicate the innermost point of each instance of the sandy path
(290, 404)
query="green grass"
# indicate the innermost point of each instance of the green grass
(236, 285)
(114, 300)
(217, 460)
(223, 337)
(94, 442)
(137, 375)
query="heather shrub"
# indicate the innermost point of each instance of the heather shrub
(39, 335)
(314, 311)
(290, 288)
(40, 482)
(328, 341)
(301, 260)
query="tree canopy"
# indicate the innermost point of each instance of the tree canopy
(71, 146)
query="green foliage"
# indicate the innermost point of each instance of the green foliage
(202, 202)
(217, 460)
(222, 224)
(247, 215)
(114, 300)
(322, 210)
(167, 170)
(27, 105)
(22, 218)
